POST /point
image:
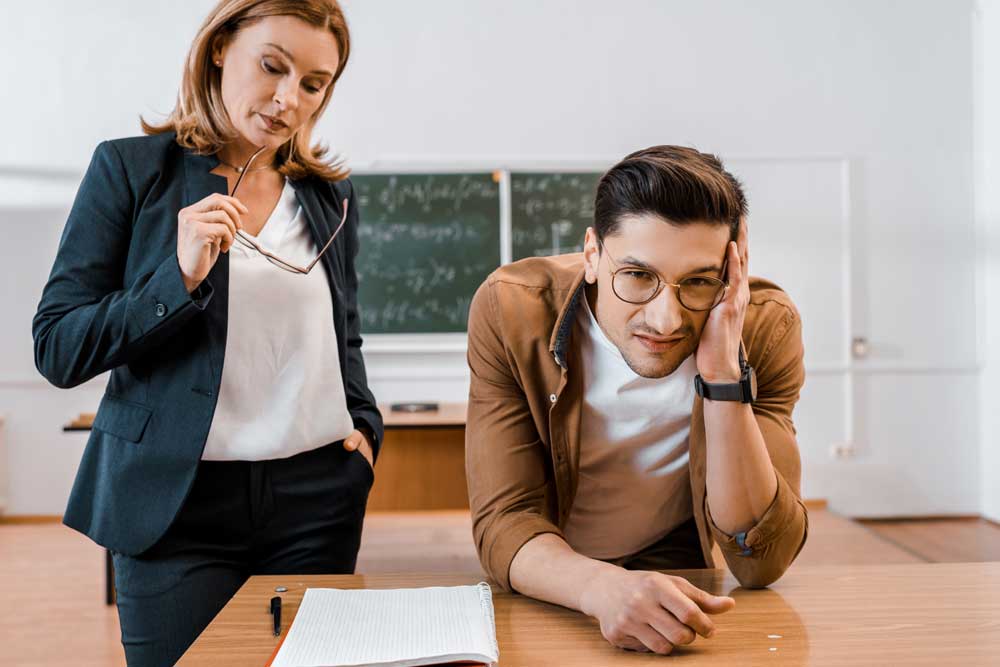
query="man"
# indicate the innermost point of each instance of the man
(632, 404)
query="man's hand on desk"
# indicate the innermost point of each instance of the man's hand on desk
(650, 611)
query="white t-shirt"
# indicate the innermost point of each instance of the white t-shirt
(634, 482)
(282, 391)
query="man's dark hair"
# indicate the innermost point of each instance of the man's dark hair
(679, 184)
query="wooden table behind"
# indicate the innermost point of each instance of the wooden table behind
(421, 465)
(924, 614)
(422, 462)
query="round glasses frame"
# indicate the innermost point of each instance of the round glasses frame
(723, 286)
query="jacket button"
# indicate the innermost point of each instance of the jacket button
(552, 397)
(161, 310)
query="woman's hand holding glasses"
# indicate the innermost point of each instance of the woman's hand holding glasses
(204, 229)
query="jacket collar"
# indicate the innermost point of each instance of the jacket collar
(199, 182)
(559, 339)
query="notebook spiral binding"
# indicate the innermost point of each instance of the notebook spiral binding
(486, 600)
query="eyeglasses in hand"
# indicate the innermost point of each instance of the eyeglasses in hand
(249, 241)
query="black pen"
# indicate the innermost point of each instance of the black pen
(276, 613)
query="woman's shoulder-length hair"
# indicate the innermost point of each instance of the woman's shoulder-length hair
(199, 118)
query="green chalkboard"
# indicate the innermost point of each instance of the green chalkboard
(550, 212)
(427, 242)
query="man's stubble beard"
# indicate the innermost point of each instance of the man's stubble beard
(653, 368)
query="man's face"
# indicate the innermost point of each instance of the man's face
(654, 337)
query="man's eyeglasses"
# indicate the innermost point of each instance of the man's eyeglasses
(636, 285)
(249, 242)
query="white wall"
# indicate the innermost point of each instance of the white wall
(988, 215)
(883, 87)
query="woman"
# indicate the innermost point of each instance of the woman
(237, 435)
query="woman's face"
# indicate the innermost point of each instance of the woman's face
(275, 74)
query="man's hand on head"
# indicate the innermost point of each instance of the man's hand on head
(718, 350)
(650, 611)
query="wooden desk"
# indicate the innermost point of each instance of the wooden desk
(448, 415)
(923, 614)
(422, 462)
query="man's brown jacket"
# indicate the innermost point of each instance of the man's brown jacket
(523, 429)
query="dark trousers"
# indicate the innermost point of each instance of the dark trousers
(680, 549)
(299, 515)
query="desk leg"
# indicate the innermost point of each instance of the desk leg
(109, 578)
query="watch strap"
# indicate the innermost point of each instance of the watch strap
(728, 391)
(742, 391)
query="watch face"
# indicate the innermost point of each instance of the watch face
(753, 384)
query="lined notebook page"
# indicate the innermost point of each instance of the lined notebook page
(400, 627)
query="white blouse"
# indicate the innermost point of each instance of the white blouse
(282, 390)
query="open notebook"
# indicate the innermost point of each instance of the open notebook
(391, 628)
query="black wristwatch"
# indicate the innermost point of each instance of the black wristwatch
(744, 391)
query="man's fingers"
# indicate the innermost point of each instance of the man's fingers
(678, 603)
(676, 632)
(743, 245)
(712, 604)
(734, 275)
(738, 272)
(730, 269)
(628, 643)
(717, 605)
(651, 639)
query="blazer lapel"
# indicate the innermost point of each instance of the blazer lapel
(198, 184)
(321, 225)
(320, 216)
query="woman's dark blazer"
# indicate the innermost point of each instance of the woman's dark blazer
(115, 300)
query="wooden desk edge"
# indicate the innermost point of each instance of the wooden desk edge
(449, 415)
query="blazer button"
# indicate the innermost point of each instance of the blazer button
(552, 398)
(161, 310)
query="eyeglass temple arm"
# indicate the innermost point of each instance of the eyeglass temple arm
(343, 221)
(245, 170)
